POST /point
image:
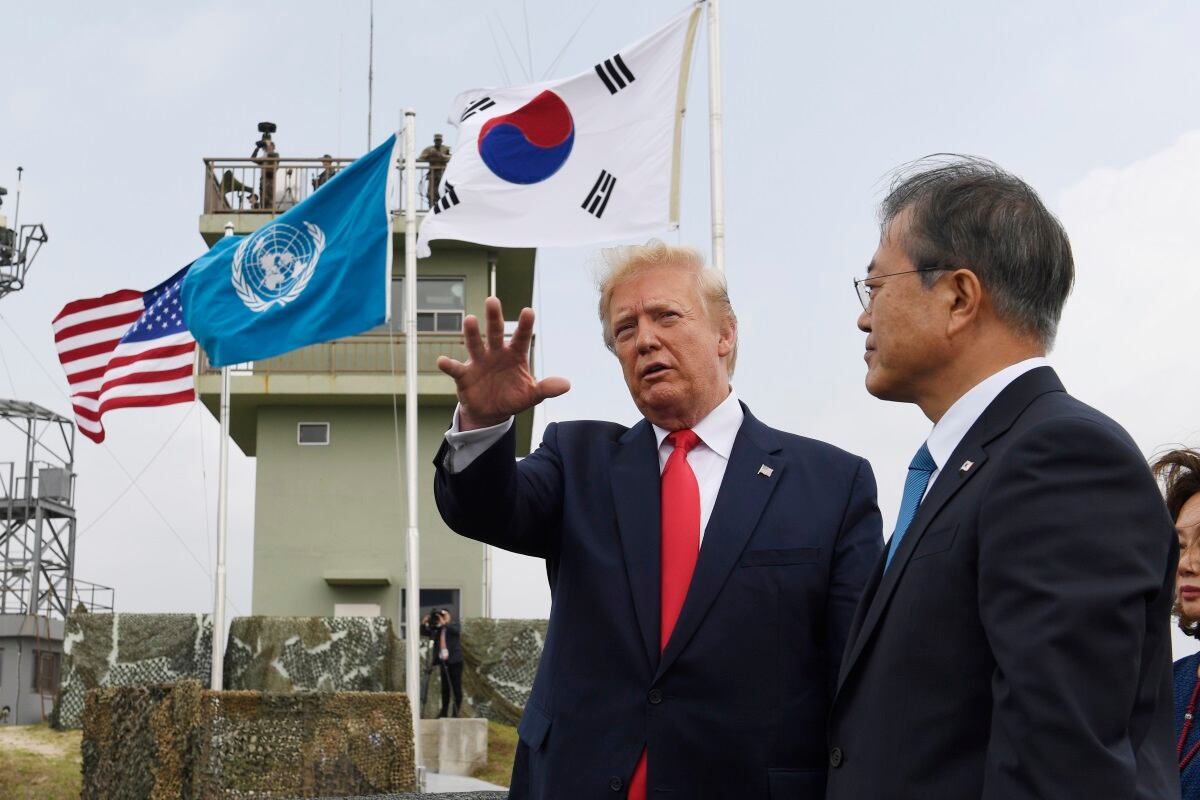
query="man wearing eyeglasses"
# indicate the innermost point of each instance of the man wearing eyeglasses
(1013, 640)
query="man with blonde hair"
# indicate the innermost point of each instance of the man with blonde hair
(704, 567)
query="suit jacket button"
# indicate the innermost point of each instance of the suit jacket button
(655, 696)
(835, 757)
(614, 783)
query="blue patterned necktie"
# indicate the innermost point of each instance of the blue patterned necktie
(920, 470)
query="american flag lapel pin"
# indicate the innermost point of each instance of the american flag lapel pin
(765, 471)
(966, 467)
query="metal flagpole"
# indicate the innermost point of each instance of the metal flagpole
(487, 548)
(716, 168)
(218, 631)
(412, 636)
(370, 73)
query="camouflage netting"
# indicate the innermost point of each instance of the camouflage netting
(108, 650)
(438, 796)
(184, 742)
(310, 654)
(294, 654)
(501, 659)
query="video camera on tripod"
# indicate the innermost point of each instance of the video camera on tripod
(265, 129)
(437, 618)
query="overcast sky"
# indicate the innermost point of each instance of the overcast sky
(111, 107)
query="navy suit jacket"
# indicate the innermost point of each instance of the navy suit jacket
(736, 705)
(1018, 647)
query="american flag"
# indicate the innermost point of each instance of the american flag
(125, 349)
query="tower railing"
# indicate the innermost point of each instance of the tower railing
(264, 185)
(363, 354)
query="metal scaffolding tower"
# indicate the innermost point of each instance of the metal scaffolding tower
(19, 245)
(37, 518)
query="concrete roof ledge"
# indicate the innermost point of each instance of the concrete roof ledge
(356, 577)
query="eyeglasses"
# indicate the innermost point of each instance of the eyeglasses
(864, 291)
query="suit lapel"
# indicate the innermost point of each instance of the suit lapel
(948, 483)
(740, 503)
(995, 420)
(635, 489)
(864, 605)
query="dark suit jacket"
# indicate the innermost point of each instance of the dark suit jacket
(1018, 647)
(736, 705)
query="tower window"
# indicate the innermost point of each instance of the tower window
(312, 433)
(441, 304)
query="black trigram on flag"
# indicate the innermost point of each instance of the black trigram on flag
(448, 200)
(614, 73)
(598, 197)
(482, 104)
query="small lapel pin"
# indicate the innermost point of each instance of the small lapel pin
(765, 471)
(966, 466)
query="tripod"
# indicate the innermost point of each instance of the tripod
(427, 677)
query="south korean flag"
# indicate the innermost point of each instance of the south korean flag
(587, 159)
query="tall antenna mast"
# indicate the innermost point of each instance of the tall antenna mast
(370, 73)
(17, 216)
(341, 78)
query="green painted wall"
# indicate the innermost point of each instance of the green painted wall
(341, 508)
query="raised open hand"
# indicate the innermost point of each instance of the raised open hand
(496, 382)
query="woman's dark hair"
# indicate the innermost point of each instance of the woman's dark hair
(1179, 471)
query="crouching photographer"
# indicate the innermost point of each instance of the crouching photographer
(447, 655)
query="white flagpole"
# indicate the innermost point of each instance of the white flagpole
(412, 636)
(716, 144)
(218, 631)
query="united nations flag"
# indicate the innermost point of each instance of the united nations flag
(318, 272)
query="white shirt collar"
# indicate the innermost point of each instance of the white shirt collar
(958, 419)
(718, 430)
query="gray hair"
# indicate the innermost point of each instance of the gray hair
(968, 213)
(629, 261)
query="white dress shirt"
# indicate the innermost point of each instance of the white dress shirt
(949, 431)
(708, 459)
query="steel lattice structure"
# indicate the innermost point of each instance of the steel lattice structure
(37, 517)
(19, 246)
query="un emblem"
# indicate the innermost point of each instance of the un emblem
(272, 266)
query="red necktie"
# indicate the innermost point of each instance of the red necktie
(680, 549)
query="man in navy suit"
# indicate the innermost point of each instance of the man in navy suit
(1013, 642)
(704, 567)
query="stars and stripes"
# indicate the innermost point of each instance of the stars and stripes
(482, 104)
(125, 349)
(615, 74)
(448, 200)
(598, 197)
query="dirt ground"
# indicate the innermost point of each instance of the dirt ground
(37, 763)
(38, 740)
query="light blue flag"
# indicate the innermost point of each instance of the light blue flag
(320, 271)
